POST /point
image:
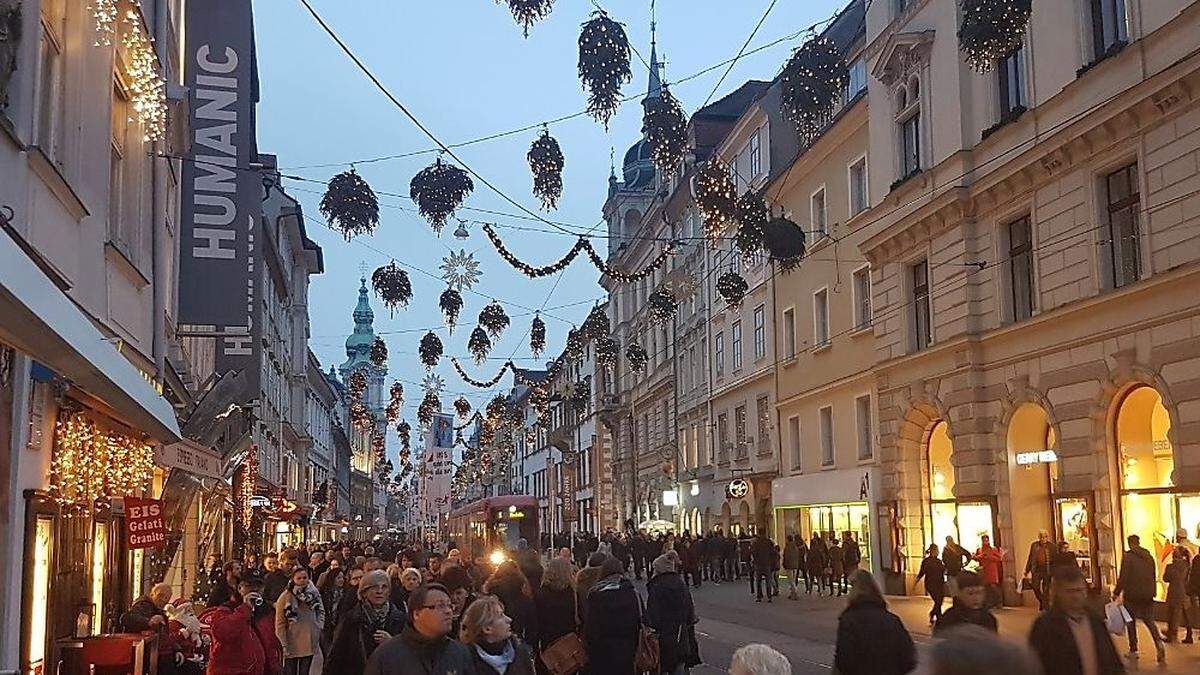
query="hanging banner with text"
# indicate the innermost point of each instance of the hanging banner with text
(145, 526)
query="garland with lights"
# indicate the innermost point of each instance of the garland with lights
(493, 319)
(350, 205)
(603, 65)
(392, 286)
(992, 30)
(662, 306)
(581, 393)
(104, 13)
(481, 384)
(596, 325)
(716, 195)
(528, 12)
(546, 162)
(430, 349)
(753, 216)
(92, 465)
(379, 351)
(732, 289)
(147, 88)
(574, 347)
(463, 407)
(429, 405)
(637, 357)
(812, 84)
(396, 403)
(451, 303)
(479, 345)
(581, 245)
(784, 241)
(245, 483)
(404, 431)
(665, 125)
(537, 336)
(607, 351)
(358, 384)
(438, 190)
(360, 415)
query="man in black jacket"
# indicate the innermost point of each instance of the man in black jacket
(1038, 564)
(425, 645)
(276, 578)
(1138, 581)
(1067, 637)
(968, 607)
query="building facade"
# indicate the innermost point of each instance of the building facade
(367, 496)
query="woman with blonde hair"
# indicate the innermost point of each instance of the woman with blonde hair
(487, 633)
(555, 603)
(404, 584)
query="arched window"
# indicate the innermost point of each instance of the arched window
(966, 520)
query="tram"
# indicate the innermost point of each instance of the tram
(495, 524)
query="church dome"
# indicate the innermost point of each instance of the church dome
(638, 168)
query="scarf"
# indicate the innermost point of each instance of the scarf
(376, 616)
(498, 662)
(307, 596)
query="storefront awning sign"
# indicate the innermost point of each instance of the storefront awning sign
(1036, 457)
(191, 457)
(145, 526)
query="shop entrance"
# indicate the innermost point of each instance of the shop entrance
(1032, 454)
(967, 521)
(831, 520)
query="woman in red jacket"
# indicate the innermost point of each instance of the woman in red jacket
(236, 649)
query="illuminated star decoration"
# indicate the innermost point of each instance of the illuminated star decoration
(460, 270)
(433, 384)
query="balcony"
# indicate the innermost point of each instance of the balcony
(609, 408)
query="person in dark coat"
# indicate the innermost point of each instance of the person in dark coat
(1193, 588)
(794, 552)
(1064, 556)
(672, 614)
(870, 639)
(613, 623)
(696, 562)
(816, 563)
(1138, 581)
(970, 606)
(954, 557)
(514, 590)
(1060, 636)
(530, 564)
(1176, 578)
(370, 623)
(425, 645)
(555, 602)
(933, 571)
(487, 634)
(1038, 565)
(276, 576)
(763, 555)
(585, 579)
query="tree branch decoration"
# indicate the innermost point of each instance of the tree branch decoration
(451, 303)
(581, 245)
(350, 205)
(732, 289)
(438, 190)
(596, 325)
(637, 357)
(812, 84)
(784, 241)
(392, 286)
(379, 352)
(753, 216)
(546, 162)
(358, 384)
(607, 351)
(479, 345)
(528, 12)
(665, 125)
(429, 405)
(603, 65)
(716, 196)
(992, 30)
(493, 319)
(462, 406)
(430, 350)
(662, 306)
(537, 336)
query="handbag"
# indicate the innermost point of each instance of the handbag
(565, 655)
(648, 657)
(1116, 617)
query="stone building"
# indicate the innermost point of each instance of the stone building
(367, 497)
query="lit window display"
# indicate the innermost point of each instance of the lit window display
(99, 559)
(941, 470)
(966, 521)
(40, 600)
(854, 517)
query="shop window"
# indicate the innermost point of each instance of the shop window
(941, 470)
(827, 520)
(39, 593)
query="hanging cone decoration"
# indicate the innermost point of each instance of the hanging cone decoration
(397, 393)
(665, 126)
(753, 216)
(395, 404)
(429, 405)
(493, 318)
(596, 325)
(603, 65)
(607, 351)
(404, 431)
(358, 384)
(637, 357)
(546, 162)
(716, 196)
(574, 348)
(528, 12)
(451, 303)
(379, 352)
(732, 289)
(360, 416)
(812, 84)
(350, 205)
(662, 306)
(581, 393)
(463, 407)
(430, 350)
(479, 345)
(537, 336)
(438, 190)
(392, 286)
(784, 241)
(992, 30)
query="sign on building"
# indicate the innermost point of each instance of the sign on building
(145, 526)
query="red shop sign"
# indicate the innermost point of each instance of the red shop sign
(144, 524)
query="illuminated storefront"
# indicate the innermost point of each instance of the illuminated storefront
(830, 502)
(966, 520)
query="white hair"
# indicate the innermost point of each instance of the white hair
(759, 659)
(966, 650)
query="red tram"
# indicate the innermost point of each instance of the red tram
(493, 523)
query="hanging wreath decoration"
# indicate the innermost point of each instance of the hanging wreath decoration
(607, 351)
(462, 406)
(546, 162)
(358, 384)
(528, 12)
(596, 325)
(732, 288)
(430, 350)
(603, 65)
(537, 336)
(350, 205)
(438, 190)
(379, 352)
(665, 125)
(451, 303)
(392, 286)
(812, 84)
(479, 345)
(992, 30)
(637, 357)
(784, 241)
(753, 216)
(662, 306)
(429, 405)
(716, 196)
(493, 318)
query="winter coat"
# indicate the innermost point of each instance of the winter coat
(933, 571)
(531, 566)
(613, 625)
(137, 619)
(989, 564)
(410, 654)
(836, 561)
(1176, 578)
(236, 649)
(556, 614)
(1053, 642)
(670, 612)
(1139, 576)
(521, 665)
(1044, 550)
(958, 615)
(872, 641)
(298, 623)
(584, 580)
(816, 560)
(354, 639)
(274, 583)
(791, 555)
(851, 554)
(263, 620)
(1193, 587)
(954, 558)
(762, 553)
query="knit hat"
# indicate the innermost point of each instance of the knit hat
(663, 564)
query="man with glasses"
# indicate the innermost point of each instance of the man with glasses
(425, 646)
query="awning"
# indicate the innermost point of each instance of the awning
(41, 321)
